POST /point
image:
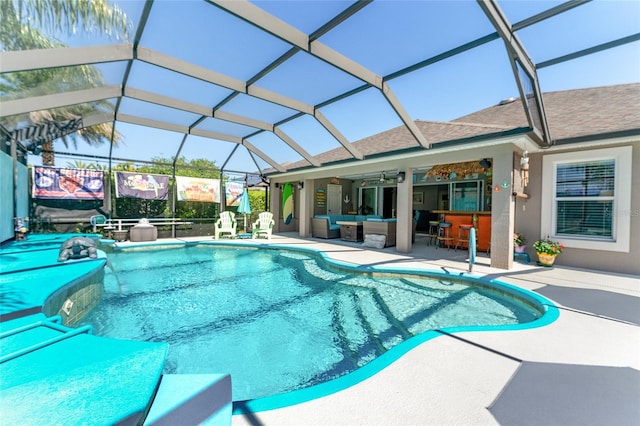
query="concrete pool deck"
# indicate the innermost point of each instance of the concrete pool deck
(581, 369)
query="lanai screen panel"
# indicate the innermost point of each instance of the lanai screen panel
(290, 81)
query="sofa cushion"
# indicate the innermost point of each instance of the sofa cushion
(374, 241)
(333, 218)
(379, 219)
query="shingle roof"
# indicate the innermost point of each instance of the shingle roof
(574, 113)
(570, 114)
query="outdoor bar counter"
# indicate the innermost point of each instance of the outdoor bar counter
(483, 227)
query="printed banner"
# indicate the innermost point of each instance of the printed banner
(198, 189)
(139, 185)
(233, 192)
(73, 184)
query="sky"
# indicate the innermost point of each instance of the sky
(384, 37)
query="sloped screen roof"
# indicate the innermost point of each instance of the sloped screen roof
(257, 86)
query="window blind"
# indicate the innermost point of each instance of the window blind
(584, 198)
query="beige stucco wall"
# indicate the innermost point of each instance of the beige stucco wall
(527, 212)
(528, 215)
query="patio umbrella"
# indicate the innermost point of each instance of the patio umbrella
(245, 207)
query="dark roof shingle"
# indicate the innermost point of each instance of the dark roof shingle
(574, 113)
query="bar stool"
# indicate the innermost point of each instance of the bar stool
(432, 234)
(444, 234)
(463, 235)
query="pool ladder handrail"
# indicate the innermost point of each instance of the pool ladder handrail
(66, 334)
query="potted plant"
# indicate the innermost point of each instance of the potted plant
(547, 251)
(519, 242)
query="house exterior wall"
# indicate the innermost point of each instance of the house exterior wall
(502, 209)
(529, 215)
(509, 214)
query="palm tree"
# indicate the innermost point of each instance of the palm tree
(21, 28)
(79, 164)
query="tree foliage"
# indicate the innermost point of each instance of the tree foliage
(23, 27)
(79, 164)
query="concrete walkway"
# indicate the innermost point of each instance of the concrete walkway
(473, 378)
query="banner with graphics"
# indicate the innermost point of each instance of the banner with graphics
(198, 189)
(233, 192)
(142, 185)
(73, 184)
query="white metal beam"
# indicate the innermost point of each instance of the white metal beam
(264, 156)
(215, 135)
(245, 121)
(347, 65)
(95, 119)
(519, 57)
(178, 65)
(297, 148)
(174, 64)
(261, 19)
(154, 98)
(269, 23)
(279, 99)
(509, 36)
(404, 116)
(239, 141)
(26, 60)
(336, 134)
(132, 119)
(57, 100)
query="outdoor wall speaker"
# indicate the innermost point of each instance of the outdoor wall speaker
(486, 163)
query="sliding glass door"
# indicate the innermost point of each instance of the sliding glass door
(368, 201)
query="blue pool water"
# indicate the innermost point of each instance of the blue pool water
(278, 321)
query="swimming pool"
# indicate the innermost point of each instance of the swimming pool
(283, 320)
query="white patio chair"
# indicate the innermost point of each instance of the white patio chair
(263, 226)
(225, 225)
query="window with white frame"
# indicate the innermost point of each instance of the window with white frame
(586, 198)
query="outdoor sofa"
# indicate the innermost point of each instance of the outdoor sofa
(325, 226)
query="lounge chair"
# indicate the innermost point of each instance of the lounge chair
(225, 225)
(263, 226)
(98, 219)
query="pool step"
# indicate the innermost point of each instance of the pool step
(368, 325)
(192, 399)
(52, 374)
